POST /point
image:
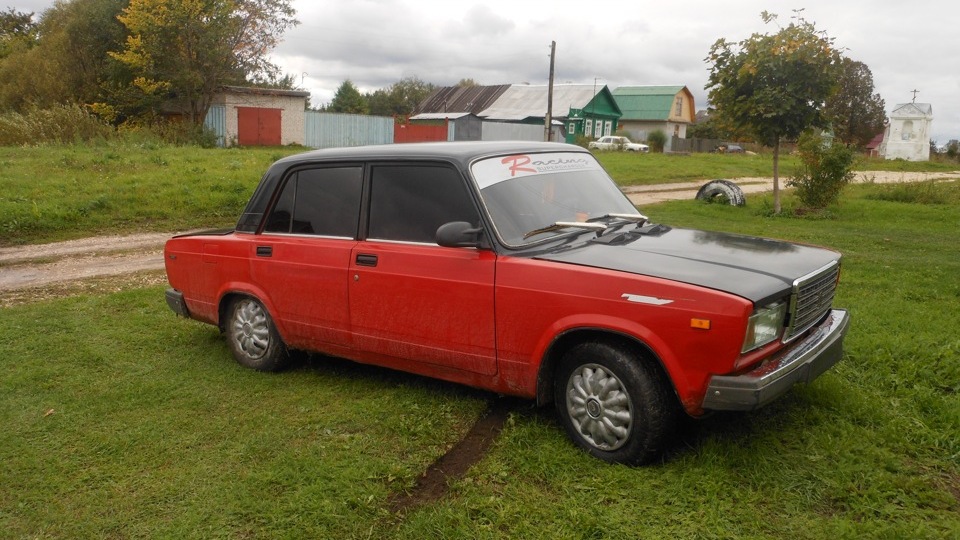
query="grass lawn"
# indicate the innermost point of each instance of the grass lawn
(120, 420)
(64, 192)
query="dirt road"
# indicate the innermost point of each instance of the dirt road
(42, 270)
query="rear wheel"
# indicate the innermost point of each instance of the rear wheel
(253, 338)
(614, 404)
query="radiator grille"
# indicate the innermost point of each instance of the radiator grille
(811, 299)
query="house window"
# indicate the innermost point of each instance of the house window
(588, 127)
(572, 128)
(598, 128)
(608, 128)
(679, 106)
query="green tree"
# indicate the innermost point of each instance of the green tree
(348, 99)
(774, 86)
(69, 62)
(401, 98)
(18, 31)
(183, 51)
(856, 112)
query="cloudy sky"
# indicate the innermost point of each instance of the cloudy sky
(374, 43)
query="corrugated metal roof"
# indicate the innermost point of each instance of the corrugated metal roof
(646, 102)
(440, 116)
(460, 99)
(530, 101)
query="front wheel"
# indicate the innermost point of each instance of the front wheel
(253, 338)
(614, 404)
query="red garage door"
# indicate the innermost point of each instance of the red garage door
(258, 127)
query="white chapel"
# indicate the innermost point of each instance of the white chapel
(908, 132)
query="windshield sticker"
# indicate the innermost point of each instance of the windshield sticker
(495, 170)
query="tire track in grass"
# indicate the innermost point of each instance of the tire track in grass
(435, 482)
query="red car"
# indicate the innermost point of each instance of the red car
(519, 268)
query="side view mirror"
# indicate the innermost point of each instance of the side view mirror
(460, 234)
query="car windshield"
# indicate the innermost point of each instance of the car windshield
(531, 192)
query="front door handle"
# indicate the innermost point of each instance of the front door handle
(366, 260)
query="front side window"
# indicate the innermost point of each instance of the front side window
(323, 202)
(408, 203)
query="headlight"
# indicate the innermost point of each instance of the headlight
(764, 326)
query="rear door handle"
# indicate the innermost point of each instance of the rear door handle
(264, 251)
(366, 260)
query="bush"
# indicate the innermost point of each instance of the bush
(823, 172)
(174, 132)
(61, 124)
(657, 140)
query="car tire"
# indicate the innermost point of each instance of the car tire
(252, 337)
(722, 191)
(614, 404)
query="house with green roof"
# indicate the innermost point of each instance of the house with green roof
(649, 108)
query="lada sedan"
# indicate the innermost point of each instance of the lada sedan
(519, 268)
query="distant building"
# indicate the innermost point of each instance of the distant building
(908, 133)
(578, 109)
(649, 108)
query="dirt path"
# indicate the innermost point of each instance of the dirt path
(43, 270)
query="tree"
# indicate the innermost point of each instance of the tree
(183, 51)
(17, 31)
(69, 62)
(401, 98)
(467, 83)
(774, 86)
(348, 99)
(856, 113)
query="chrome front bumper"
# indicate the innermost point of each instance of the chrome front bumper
(801, 362)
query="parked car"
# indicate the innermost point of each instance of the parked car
(518, 268)
(730, 149)
(617, 143)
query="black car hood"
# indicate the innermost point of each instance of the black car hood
(757, 269)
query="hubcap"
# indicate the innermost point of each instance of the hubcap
(251, 330)
(599, 407)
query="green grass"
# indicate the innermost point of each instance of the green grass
(60, 192)
(629, 168)
(155, 432)
(55, 193)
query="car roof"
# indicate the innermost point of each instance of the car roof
(460, 151)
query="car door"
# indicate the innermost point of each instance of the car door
(409, 297)
(302, 256)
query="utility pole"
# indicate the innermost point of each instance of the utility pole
(548, 119)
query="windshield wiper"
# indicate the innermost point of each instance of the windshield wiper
(636, 218)
(597, 227)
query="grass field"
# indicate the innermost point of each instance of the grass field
(120, 420)
(63, 192)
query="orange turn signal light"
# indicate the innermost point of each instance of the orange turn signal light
(700, 324)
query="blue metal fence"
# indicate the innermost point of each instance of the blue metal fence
(327, 130)
(216, 121)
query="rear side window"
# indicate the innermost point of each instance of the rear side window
(325, 202)
(410, 202)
